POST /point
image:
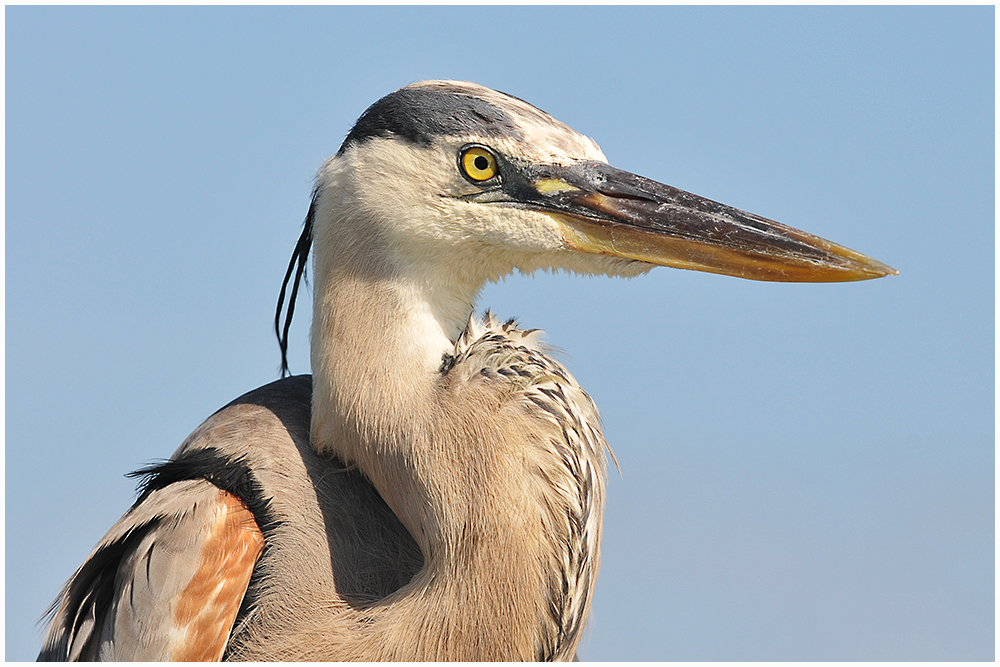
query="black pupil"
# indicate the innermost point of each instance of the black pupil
(481, 163)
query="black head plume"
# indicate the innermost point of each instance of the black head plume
(298, 263)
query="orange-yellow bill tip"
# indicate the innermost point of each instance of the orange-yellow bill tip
(828, 263)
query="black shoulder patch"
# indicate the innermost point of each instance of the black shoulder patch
(231, 474)
(418, 115)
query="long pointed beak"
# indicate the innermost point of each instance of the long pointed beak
(610, 211)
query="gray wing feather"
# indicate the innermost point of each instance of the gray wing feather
(117, 605)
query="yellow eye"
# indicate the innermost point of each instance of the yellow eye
(479, 164)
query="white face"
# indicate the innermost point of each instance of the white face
(418, 199)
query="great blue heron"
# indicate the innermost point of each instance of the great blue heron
(435, 489)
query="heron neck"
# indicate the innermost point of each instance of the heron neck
(382, 326)
(381, 402)
(379, 334)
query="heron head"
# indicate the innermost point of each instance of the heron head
(439, 167)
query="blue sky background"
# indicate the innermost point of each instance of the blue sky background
(807, 470)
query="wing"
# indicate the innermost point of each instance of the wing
(165, 583)
(183, 575)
